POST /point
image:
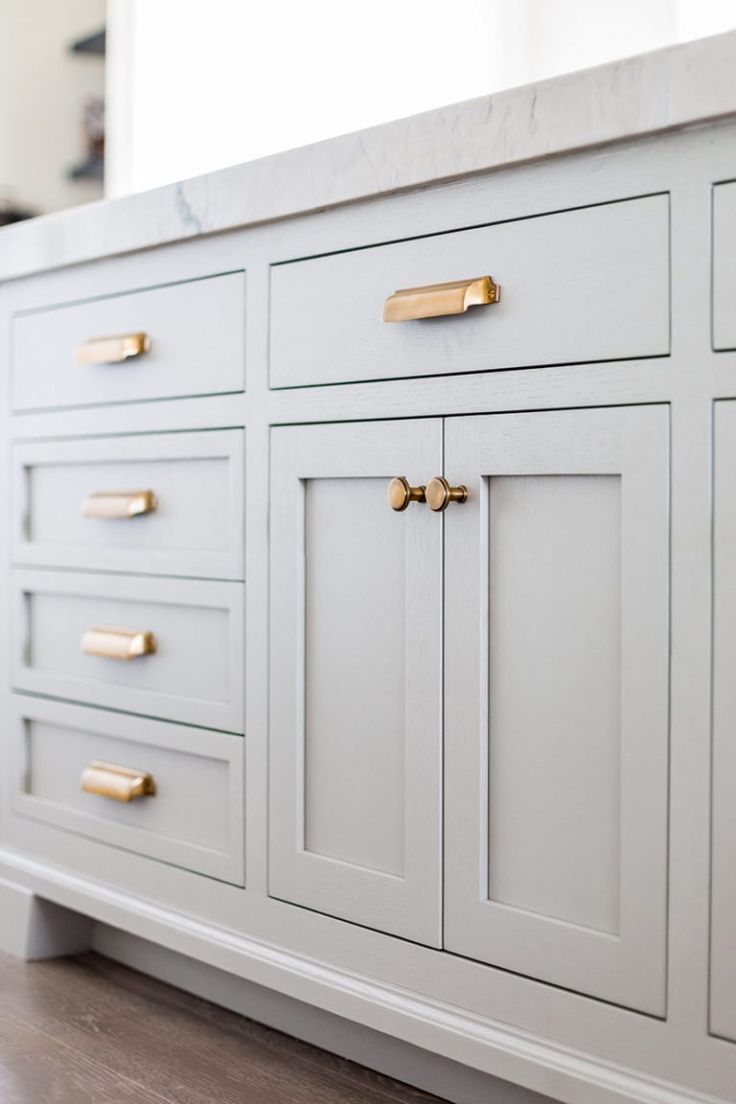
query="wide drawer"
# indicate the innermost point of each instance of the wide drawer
(195, 330)
(169, 503)
(724, 266)
(194, 819)
(581, 285)
(169, 648)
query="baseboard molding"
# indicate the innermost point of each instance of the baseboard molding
(387, 1055)
(453, 1033)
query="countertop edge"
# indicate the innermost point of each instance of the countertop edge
(668, 89)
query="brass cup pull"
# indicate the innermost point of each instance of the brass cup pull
(440, 494)
(119, 504)
(117, 783)
(113, 350)
(435, 300)
(400, 493)
(109, 643)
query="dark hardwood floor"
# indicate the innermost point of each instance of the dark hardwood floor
(87, 1031)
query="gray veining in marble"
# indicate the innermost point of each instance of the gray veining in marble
(651, 93)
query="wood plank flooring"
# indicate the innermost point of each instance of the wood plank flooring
(87, 1031)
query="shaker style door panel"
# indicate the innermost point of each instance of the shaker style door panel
(189, 813)
(576, 286)
(160, 503)
(169, 648)
(356, 608)
(724, 265)
(556, 698)
(723, 862)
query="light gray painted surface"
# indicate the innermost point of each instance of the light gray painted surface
(556, 698)
(724, 266)
(195, 818)
(195, 529)
(513, 1025)
(196, 331)
(723, 900)
(195, 674)
(583, 285)
(355, 821)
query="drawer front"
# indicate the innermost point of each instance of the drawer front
(196, 332)
(77, 503)
(194, 674)
(582, 285)
(194, 819)
(724, 266)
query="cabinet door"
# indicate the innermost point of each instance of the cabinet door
(356, 681)
(556, 739)
(723, 864)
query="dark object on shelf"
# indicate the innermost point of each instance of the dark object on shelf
(93, 165)
(91, 169)
(10, 212)
(90, 44)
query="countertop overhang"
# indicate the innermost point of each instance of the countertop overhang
(676, 87)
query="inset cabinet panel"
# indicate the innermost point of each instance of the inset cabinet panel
(723, 862)
(194, 330)
(556, 743)
(568, 281)
(724, 266)
(170, 648)
(71, 499)
(356, 592)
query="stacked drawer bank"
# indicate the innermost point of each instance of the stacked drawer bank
(370, 597)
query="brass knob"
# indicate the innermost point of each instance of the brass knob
(400, 493)
(440, 494)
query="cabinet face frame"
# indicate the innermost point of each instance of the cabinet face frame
(628, 966)
(408, 902)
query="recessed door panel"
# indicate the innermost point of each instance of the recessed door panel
(723, 862)
(557, 698)
(356, 678)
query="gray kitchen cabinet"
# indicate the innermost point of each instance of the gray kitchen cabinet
(356, 693)
(556, 698)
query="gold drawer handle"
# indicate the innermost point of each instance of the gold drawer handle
(435, 300)
(119, 504)
(113, 350)
(117, 783)
(401, 493)
(440, 494)
(112, 643)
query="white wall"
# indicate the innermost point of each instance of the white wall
(194, 86)
(42, 93)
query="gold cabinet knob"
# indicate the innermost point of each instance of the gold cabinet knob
(119, 504)
(440, 494)
(401, 493)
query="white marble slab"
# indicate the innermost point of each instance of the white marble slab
(660, 91)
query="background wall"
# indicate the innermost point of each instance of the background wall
(193, 86)
(43, 90)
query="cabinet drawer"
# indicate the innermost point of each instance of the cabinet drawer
(76, 502)
(195, 817)
(724, 266)
(194, 674)
(581, 285)
(195, 331)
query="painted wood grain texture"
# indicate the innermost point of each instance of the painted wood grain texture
(86, 1031)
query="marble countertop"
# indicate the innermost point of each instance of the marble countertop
(651, 93)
